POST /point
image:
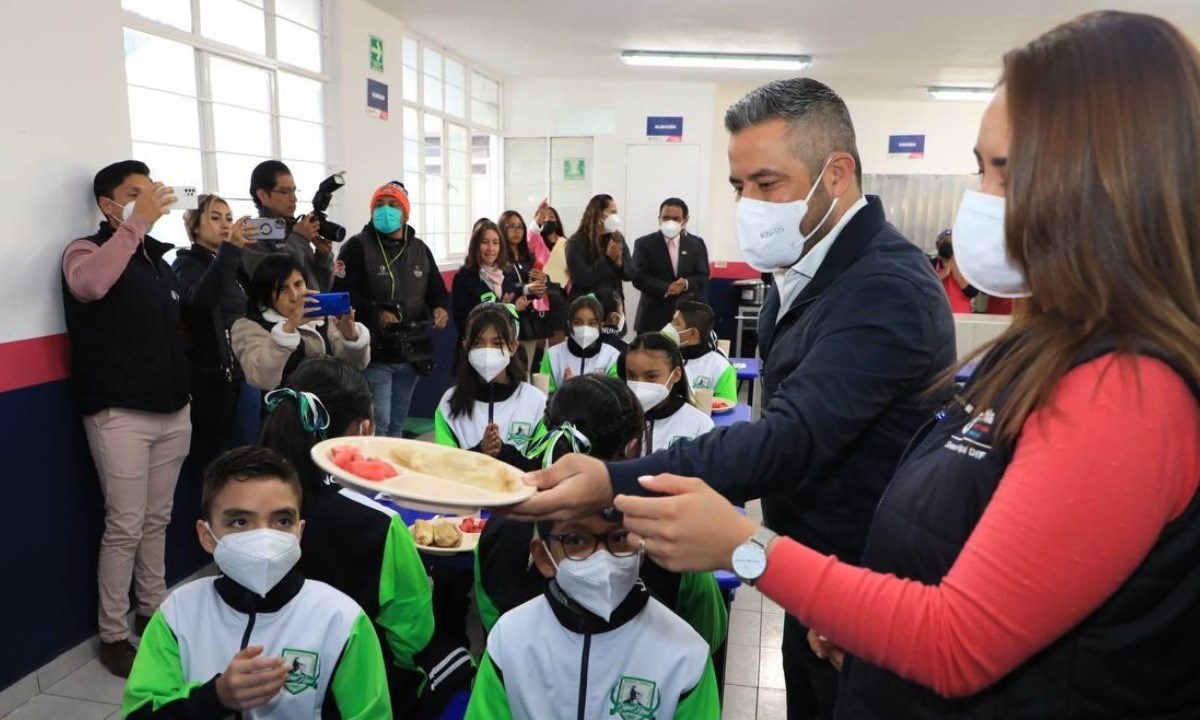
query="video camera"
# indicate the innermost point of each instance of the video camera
(320, 202)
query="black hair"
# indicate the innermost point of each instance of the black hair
(264, 176)
(674, 202)
(697, 314)
(601, 407)
(468, 383)
(658, 342)
(111, 177)
(269, 278)
(591, 225)
(585, 301)
(346, 394)
(523, 253)
(558, 222)
(243, 464)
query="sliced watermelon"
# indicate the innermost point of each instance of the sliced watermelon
(343, 455)
(371, 469)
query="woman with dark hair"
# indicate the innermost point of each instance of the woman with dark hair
(597, 257)
(653, 368)
(529, 266)
(1034, 555)
(276, 335)
(350, 541)
(486, 272)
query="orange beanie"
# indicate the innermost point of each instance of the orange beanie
(394, 191)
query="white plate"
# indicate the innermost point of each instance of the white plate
(469, 541)
(722, 410)
(413, 489)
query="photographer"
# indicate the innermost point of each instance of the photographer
(396, 291)
(274, 192)
(964, 298)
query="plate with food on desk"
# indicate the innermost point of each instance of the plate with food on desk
(720, 406)
(421, 475)
(447, 535)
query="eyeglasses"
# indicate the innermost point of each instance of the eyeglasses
(284, 191)
(580, 546)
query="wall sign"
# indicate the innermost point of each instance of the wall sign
(376, 54)
(574, 169)
(911, 147)
(669, 129)
(377, 99)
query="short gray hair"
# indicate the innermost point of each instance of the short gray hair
(820, 123)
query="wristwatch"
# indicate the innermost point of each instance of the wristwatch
(750, 558)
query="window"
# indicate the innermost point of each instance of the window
(210, 100)
(450, 120)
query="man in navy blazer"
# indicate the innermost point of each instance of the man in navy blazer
(667, 264)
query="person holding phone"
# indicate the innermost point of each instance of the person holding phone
(130, 379)
(279, 332)
(274, 192)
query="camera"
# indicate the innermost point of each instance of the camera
(407, 341)
(320, 202)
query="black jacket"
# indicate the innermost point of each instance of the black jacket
(846, 369)
(592, 274)
(127, 347)
(468, 287)
(212, 297)
(652, 273)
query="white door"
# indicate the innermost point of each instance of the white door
(654, 173)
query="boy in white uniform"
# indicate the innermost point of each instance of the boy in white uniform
(707, 367)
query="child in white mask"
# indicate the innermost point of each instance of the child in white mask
(583, 353)
(654, 370)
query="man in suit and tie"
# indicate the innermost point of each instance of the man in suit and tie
(667, 264)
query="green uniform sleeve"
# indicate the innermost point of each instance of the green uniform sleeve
(405, 600)
(701, 702)
(612, 370)
(157, 687)
(545, 369)
(489, 700)
(442, 434)
(359, 686)
(703, 607)
(488, 612)
(726, 387)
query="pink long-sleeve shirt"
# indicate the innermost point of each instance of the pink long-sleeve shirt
(1094, 478)
(91, 270)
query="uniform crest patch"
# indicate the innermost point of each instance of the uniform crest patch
(634, 698)
(306, 669)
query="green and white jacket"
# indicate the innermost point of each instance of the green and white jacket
(710, 370)
(518, 408)
(671, 421)
(599, 358)
(549, 658)
(337, 665)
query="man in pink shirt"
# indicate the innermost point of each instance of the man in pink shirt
(130, 380)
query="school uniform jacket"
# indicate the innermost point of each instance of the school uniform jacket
(674, 420)
(518, 408)
(337, 667)
(549, 658)
(601, 357)
(708, 369)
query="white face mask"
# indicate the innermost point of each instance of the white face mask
(769, 233)
(979, 250)
(256, 559)
(584, 335)
(649, 394)
(670, 331)
(126, 209)
(488, 362)
(670, 229)
(600, 582)
(612, 223)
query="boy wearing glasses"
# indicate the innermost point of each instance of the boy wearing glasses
(274, 191)
(617, 652)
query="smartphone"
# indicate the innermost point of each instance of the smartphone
(185, 198)
(336, 304)
(268, 228)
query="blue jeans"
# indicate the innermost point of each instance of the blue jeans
(392, 386)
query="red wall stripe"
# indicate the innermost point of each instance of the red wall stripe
(25, 363)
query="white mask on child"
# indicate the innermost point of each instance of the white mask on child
(599, 582)
(584, 336)
(256, 559)
(488, 362)
(649, 394)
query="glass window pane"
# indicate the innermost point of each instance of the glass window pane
(456, 190)
(154, 62)
(297, 45)
(237, 84)
(435, 190)
(460, 229)
(305, 12)
(433, 145)
(485, 114)
(241, 207)
(432, 63)
(243, 131)
(484, 89)
(233, 173)
(459, 165)
(412, 155)
(302, 140)
(433, 92)
(412, 183)
(300, 98)
(234, 23)
(411, 130)
(456, 101)
(161, 117)
(177, 13)
(409, 83)
(409, 52)
(171, 165)
(457, 137)
(456, 74)
(308, 175)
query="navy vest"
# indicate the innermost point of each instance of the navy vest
(1136, 656)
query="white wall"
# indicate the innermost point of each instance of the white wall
(65, 116)
(534, 108)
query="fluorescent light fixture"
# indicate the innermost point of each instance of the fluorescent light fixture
(961, 93)
(733, 61)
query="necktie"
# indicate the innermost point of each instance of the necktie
(673, 249)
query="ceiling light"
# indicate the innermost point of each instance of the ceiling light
(734, 61)
(961, 93)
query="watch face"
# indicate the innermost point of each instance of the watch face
(749, 561)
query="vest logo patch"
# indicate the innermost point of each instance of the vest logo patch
(383, 270)
(520, 433)
(175, 296)
(339, 269)
(306, 669)
(634, 698)
(417, 272)
(975, 439)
